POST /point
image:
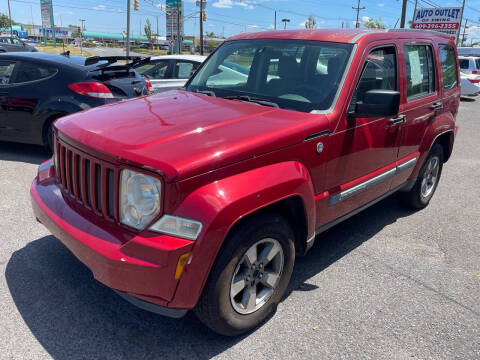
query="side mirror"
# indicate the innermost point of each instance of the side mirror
(378, 103)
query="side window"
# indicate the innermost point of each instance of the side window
(183, 69)
(156, 69)
(449, 66)
(379, 72)
(419, 69)
(6, 70)
(464, 63)
(30, 72)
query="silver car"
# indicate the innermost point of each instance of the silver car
(170, 72)
(14, 44)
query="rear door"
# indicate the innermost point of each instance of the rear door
(159, 72)
(421, 101)
(183, 70)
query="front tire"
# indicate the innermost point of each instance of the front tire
(249, 277)
(429, 176)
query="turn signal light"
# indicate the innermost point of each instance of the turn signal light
(182, 261)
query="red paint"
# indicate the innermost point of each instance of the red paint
(222, 160)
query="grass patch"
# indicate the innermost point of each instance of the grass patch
(59, 49)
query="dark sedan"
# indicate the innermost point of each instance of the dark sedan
(38, 88)
(13, 44)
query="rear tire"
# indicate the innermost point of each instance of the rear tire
(236, 297)
(429, 176)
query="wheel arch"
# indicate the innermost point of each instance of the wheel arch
(225, 207)
(446, 140)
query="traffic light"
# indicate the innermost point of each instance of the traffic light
(204, 18)
(135, 5)
(79, 29)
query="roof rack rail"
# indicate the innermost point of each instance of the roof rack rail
(418, 31)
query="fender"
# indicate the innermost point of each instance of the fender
(221, 204)
(442, 124)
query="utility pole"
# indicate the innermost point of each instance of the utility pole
(285, 21)
(10, 16)
(404, 10)
(357, 9)
(157, 33)
(201, 27)
(275, 20)
(461, 19)
(464, 28)
(82, 27)
(414, 11)
(179, 41)
(127, 49)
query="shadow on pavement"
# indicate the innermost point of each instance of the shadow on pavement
(33, 154)
(466, 99)
(73, 316)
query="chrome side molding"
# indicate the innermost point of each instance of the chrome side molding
(354, 190)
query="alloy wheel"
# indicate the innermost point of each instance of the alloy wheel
(430, 177)
(256, 276)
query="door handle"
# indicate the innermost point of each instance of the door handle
(436, 106)
(398, 120)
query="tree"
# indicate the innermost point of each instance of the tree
(210, 34)
(148, 31)
(5, 21)
(374, 24)
(311, 23)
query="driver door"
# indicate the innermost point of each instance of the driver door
(363, 151)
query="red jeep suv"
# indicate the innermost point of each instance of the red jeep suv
(201, 198)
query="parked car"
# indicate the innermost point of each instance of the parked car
(202, 198)
(169, 72)
(13, 44)
(469, 64)
(38, 88)
(469, 84)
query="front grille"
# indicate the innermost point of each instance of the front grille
(90, 181)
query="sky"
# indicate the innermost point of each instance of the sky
(229, 17)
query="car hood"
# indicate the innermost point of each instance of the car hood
(183, 134)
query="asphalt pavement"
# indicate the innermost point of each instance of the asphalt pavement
(389, 283)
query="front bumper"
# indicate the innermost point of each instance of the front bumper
(140, 266)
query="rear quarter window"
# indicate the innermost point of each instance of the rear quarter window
(464, 63)
(6, 70)
(32, 72)
(449, 66)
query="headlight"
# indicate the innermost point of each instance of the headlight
(139, 198)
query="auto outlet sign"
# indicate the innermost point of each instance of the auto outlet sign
(445, 20)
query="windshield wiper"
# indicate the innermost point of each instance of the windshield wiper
(252, 99)
(206, 92)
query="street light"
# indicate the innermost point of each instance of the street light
(285, 21)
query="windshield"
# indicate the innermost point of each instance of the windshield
(293, 74)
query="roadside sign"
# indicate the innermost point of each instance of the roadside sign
(171, 42)
(47, 13)
(446, 20)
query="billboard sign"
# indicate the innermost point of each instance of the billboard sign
(174, 19)
(46, 9)
(446, 20)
